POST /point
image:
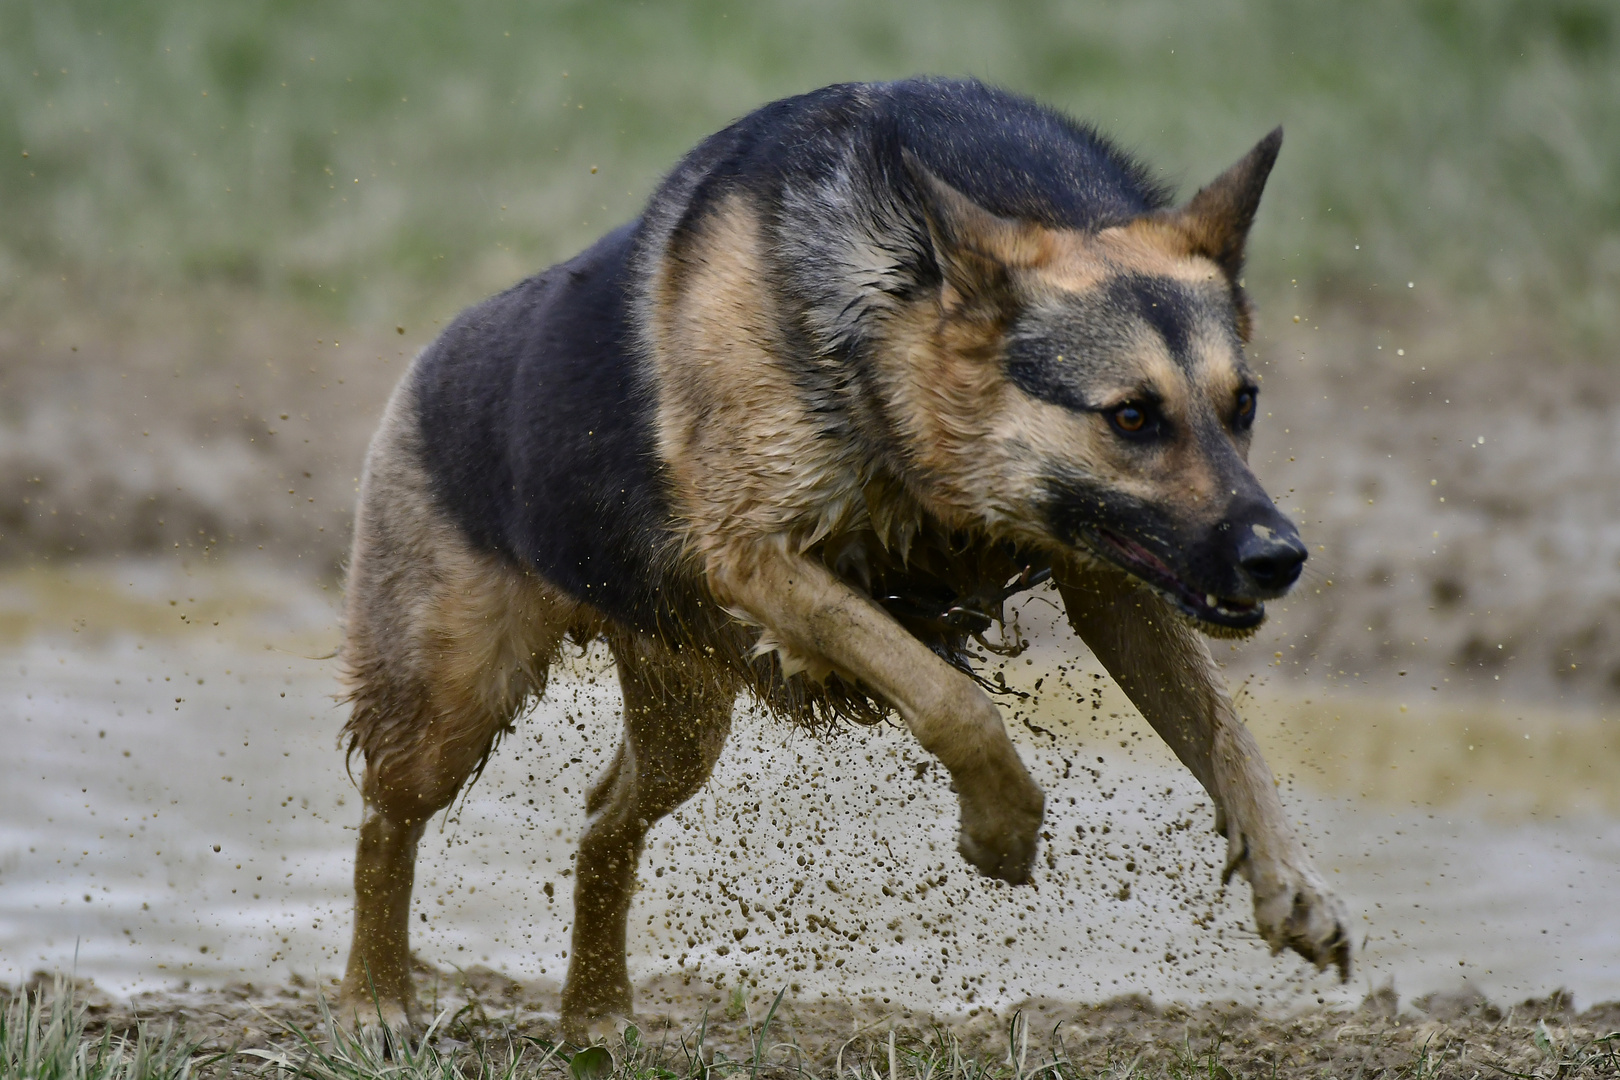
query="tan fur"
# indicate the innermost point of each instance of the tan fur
(445, 643)
(976, 435)
(443, 646)
(743, 465)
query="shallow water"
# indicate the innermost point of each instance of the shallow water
(176, 810)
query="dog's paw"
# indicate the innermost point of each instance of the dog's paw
(593, 1028)
(1000, 828)
(1293, 908)
(593, 1010)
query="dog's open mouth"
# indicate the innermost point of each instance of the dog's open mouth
(1229, 613)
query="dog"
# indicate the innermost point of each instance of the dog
(872, 360)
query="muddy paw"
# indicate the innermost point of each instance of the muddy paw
(999, 832)
(1293, 909)
(592, 1013)
(590, 1029)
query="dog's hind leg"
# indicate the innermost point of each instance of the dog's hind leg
(442, 645)
(429, 705)
(677, 714)
(1164, 667)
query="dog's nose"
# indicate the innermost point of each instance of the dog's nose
(1271, 559)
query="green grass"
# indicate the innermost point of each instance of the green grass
(366, 155)
(44, 1036)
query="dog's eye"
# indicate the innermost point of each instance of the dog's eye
(1246, 402)
(1133, 420)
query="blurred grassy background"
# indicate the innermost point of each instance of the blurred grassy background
(225, 228)
(367, 157)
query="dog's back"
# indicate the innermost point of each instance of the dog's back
(536, 426)
(537, 408)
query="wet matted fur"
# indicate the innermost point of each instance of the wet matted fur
(872, 360)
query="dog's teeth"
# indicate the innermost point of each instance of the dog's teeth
(1210, 601)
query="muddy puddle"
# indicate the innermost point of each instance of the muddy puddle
(174, 811)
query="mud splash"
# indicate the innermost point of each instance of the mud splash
(178, 814)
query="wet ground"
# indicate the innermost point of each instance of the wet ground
(176, 813)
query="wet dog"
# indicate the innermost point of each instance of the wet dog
(872, 360)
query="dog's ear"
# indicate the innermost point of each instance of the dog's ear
(1215, 222)
(976, 250)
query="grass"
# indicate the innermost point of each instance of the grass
(43, 1037)
(371, 158)
(47, 1036)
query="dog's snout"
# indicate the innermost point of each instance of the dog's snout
(1271, 558)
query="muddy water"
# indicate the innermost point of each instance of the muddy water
(173, 809)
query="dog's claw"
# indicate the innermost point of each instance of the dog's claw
(1339, 956)
(1236, 855)
(1293, 908)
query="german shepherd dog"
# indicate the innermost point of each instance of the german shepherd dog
(872, 359)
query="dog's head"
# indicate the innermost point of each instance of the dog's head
(1088, 390)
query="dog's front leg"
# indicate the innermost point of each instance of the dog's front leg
(824, 622)
(1165, 668)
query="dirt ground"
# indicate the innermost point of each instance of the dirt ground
(1459, 1034)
